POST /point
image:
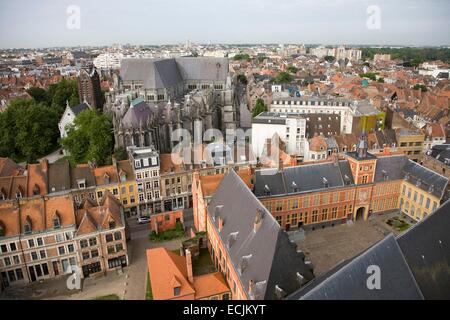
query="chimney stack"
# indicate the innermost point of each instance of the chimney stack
(189, 266)
(44, 164)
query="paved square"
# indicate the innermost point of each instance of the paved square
(332, 245)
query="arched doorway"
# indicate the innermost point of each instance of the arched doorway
(360, 214)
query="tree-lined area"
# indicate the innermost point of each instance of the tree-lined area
(415, 56)
(29, 127)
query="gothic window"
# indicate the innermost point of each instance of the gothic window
(56, 221)
(27, 228)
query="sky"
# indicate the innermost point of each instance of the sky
(44, 23)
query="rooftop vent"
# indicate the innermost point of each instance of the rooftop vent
(419, 183)
(347, 179)
(243, 264)
(385, 174)
(258, 219)
(217, 211)
(232, 239)
(301, 279)
(266, 190)
(431, 188)
(294, 187)
(279, 293)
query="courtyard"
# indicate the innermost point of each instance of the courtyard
(328, 247)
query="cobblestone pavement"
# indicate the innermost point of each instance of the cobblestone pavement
(330, 246)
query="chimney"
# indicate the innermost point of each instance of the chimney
(250, 287)
(221, 223)
(44, 164)
(190, 274)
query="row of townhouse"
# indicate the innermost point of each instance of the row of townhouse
(45, 237)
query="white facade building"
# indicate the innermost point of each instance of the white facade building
(290, 129)
(107, 61)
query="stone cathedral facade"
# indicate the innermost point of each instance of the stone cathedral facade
(154, 97)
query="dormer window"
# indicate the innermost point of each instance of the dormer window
(176, 291)
(56, 221)
(325, 182)
(112, 224)
(81, 184)
(27, 228)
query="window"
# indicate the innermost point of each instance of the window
(40, 242)
(117, 236)
(19, 274)
(112, 224)
(119, 247)
(3, 248)
(93, 242)
(364, 179)
(111, 250)
(7, 261)
(43, 254)
(58, 238)
(27, 227)
(16, 259)
(70, 248)
(83, 243)
(61, 250)
(109, 237)
(94, 253)
(34, 256)
(176, 291)
(85, 255)
(31, 243)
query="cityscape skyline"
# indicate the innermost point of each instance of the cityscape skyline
(421, 23)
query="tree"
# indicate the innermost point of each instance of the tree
(38, 94)
(420, 87)
(284, 77)
(59, 93)
(259, 107)
(89, 138)
(292, 69)
(28, 130)
(369, 75)
(329, 59)
(242, 79)
(242, 56)
(120, 154)
(380, 80)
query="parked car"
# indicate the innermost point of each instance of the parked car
(143, 219)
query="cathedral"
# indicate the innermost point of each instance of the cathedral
(154, 97)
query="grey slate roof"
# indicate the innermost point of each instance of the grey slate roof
(306, 178)
(59, 177)
(138, 113)
(80, 108)
(440, 152)
(163, 73)
(426, 248)
(154, 73)
(425, 178)
(390, 168)
(413, 266)
(80, 173)
(271, 259)
(350, 281)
